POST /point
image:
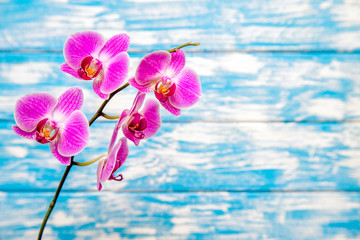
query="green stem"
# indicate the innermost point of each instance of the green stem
(67, 170)
(183, 45)
(101, 108)
(82, 164)
(110, 117)
(52, 203)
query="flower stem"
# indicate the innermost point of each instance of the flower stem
(67, 170)
(183, 45)
(101, 108)
(52, 203)
(92, 120)
(110, 117)
(82, 164)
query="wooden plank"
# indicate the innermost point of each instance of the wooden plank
(183, 216)
(218, 25)
(200, 156)
(236, 86)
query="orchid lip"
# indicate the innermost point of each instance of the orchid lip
(46, 131)
(90, 68)
(164, 88)
(137, 124)
(117, 178)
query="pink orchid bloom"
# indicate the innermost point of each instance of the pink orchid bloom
(89, 57)
(162, 72)
(59, 122)
(138, 125)
(114, 159)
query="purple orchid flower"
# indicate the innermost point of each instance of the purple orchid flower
(59, 122)
(114, 160)
(175, 87)
(89, 57)
(141, 125)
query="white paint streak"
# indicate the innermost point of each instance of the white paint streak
(19, 152)
(28, 73)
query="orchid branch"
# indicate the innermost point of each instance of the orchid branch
(53, 202)
(98, 113)
(101, 108)
(67, 170)
(110, 117)
(82, 164)
(183, 45)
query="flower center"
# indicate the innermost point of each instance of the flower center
(90, 68)
(46, 131)
(138, 123)
(164, 88)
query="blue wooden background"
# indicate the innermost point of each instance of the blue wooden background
(271, 151)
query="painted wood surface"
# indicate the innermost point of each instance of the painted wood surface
(271, 151)
(213, 215)
(198, 156)
(218, 25)
(236, 86)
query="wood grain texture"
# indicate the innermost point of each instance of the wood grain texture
(195, 156)
(235, 86)
(271, 151)
(196, 216)
(218, 25)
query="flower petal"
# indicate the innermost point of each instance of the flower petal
(21, 133)
(109, 167)
(188, 89)
(115, 73)
(68, 102)
(113, 46)
(66, 68)
(122, 118)
(177, 63)
(54, 150)
(138, 102)
(143, 88)
(152, 67)
(80, 45)
(97, 85)
(31, 108)
(122, 153)
(73, 134)
(173, 110)
(152, 114)
(99, 172)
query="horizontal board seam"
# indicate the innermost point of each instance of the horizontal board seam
(233, 121)
(183, 191)
(318, 51)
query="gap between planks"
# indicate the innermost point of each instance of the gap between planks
(156, 191)
(7, 120)
(318, 51)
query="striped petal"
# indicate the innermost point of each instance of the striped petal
(177, 63)
(188, 89)
(21, 133)
(151, 112)
(73, 134)
(80, 45)
(97, 87)
(66, 68)
(115, 45)
(54, 150)
(152, 67)
(115, 73)
(32, 108)
(68, 102)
